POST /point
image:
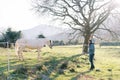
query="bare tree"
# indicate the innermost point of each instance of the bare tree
(85, 16)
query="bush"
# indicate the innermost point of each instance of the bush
(21, 73)
(110, 44)
(64, 65)
(21, 70)
(39, 67)
(71, 66)
(2, 76)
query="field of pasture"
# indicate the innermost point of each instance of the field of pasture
(61, 63)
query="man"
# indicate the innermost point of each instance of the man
(91, 51)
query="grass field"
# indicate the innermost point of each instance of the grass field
(61, 63)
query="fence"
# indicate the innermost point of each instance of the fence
(8, 57)
(110, 44)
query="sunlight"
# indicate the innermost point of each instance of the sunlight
(117, 3)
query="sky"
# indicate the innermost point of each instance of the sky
(18, 15)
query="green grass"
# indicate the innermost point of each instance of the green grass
(61, 63)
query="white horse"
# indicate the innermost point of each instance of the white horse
(21, 44)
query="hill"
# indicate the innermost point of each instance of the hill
(50, 32)
(46, 30)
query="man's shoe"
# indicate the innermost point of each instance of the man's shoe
(92, 68)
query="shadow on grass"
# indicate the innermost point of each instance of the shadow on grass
(50, 65)
(54, 65)
(3, 66)
(80, 75)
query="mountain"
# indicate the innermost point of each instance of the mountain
(66, 35)
(46, 30)
(60, 36)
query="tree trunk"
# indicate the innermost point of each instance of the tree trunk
(85, 44)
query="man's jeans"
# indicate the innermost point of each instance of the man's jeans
(91, 58)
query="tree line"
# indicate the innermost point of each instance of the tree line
(9, 36)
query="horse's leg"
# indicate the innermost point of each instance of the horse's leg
(17, 51)
(39, 53)
(18, 54)
(22, 59)
(21, 53)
